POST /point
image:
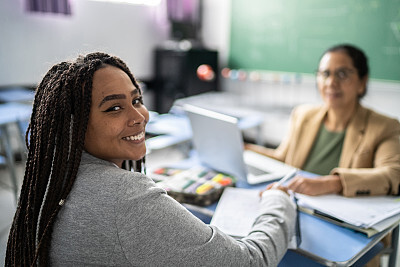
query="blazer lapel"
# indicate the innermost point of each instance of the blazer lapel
(354, 134)
(308, 133)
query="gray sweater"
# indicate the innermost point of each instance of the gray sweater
(114, 217)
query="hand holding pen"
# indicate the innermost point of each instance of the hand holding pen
(279, 184)
(286, 178)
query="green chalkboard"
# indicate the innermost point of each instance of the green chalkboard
(291, 35)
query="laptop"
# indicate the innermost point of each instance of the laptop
(219, 144)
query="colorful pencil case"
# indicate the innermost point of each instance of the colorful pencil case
(198, 185)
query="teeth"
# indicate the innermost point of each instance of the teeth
(135, 137)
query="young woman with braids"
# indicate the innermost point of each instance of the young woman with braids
(80, 206)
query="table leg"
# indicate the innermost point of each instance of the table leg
(5, 138)
(395, 244)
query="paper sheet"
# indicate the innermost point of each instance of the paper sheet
(236, 211)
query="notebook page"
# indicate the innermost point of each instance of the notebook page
(236, 212)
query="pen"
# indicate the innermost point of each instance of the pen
(288, 176)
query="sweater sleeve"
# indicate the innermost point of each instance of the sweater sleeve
(156, 230)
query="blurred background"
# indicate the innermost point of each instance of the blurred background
(263, 48)
(263, 54)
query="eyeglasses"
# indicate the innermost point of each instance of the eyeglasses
(340, 74)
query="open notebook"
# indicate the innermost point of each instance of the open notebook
(219, 143)
(237, 210)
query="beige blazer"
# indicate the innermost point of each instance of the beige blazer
(370, 159)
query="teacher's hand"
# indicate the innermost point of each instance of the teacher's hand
(329, 184)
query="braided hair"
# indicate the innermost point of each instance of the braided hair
(57, 133)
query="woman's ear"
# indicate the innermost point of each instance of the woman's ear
(363, 89)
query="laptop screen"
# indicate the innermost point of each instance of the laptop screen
(217, 140)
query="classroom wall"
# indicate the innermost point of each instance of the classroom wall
(31, 42)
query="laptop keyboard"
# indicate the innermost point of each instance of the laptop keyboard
(255, 171)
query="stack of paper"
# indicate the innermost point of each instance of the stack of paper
(376, 213)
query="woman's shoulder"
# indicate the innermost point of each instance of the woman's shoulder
(377, 124)
(307, 108)
(95, 170)
(306, 111)
(375, 117)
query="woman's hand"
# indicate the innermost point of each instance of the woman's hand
(329, 184)
(282, 188)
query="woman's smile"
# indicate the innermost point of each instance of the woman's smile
(138, 138)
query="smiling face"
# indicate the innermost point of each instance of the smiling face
(117, 119)
(338, 82)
